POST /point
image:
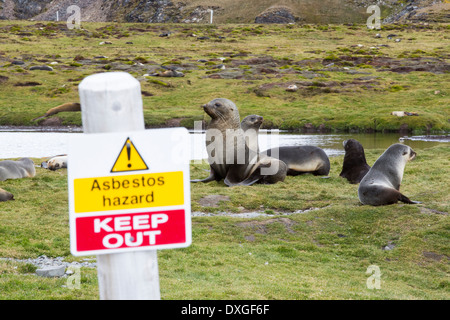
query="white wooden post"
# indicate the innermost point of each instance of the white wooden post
(211, 17)
(57, 15)
(112, 102)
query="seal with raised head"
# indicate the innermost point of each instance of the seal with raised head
(381, 185)
(22, 168)
(229, 156)
(355, 165)
(224, 115)
(298, 159)
(5, 195)
(71, 106)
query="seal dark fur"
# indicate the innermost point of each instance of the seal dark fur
(5, 195)
(355, 166)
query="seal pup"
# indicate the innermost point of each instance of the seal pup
(57, 162)
(298, 159)
(228, 155)
(250, 125)
(71, 106)
(381, 185)
(355, 166)
(22, 168)
(5, 195)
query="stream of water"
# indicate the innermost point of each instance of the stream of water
(37, 144)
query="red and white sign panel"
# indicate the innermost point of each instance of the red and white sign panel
(129, 191)
(120, 231)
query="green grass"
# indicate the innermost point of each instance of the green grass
(318, 254)
(333, 99)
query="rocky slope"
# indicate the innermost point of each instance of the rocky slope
(198, 11)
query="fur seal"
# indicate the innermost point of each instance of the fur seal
(355, 166)
(298, 159)
(303, 159)
(22, 168)
(250, 125)
(381, 185)
(57, 162)
(71, 106)
(229, 156)
(5, 195)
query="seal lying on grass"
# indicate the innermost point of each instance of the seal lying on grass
(298, 159)
(22, 168)
(5, 195)
(55, 163)
(71, 106)
(381, 185)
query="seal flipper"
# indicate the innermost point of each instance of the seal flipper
(254, 178)
(405, 199)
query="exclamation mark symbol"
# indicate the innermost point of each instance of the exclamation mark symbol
(129, 153)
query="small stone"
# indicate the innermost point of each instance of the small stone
(292, 88)
(51, 271)
(45, 68)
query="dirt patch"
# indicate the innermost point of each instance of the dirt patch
(307, 88)
(212, 200)
(3, 79)
(261, 226)
(27, 84)
(434, 256)
(51, 122)
(401, 65)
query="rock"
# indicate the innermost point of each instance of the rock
(51, 271)
(165, 34)
(276, 14)
(292, 88)
(389, 247)
(45, 68)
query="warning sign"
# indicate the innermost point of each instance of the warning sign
(117, 202)
(129, 192)
(129, 159)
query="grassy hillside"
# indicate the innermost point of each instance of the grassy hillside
(347, 78)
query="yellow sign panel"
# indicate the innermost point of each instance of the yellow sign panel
(129, 159)
(128, 192)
